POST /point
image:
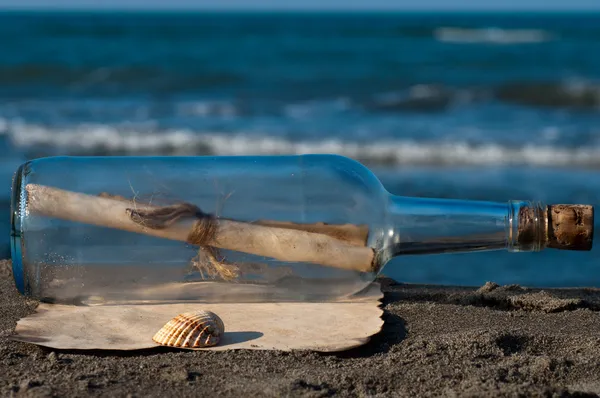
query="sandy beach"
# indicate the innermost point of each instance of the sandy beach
(436, 341)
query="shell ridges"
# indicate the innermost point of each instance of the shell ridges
(191, 330)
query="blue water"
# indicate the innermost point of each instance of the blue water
(471, 106)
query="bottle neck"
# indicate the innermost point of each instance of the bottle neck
(433, 226)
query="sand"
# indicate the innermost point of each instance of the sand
(437, 341)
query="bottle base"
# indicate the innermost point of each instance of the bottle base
(16, 241)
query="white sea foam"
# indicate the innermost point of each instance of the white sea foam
(492, 35)
(99, 139)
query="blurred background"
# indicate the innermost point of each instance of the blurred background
(488, 104)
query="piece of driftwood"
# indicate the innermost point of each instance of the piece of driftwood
(187, 223)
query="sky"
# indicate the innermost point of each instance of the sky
(309, 4)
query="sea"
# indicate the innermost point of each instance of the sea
(481, 106)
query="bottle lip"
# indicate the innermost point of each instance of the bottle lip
(16, 231)
(528, 226)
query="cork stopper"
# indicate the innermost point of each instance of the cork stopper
(570, 227)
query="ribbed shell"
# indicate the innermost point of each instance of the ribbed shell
(191, 330)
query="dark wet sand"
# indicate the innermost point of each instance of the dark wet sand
(495, 341)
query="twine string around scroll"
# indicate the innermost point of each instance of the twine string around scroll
(204, 229)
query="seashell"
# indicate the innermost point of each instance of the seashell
(191, 330)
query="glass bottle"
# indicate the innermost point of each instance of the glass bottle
(99, 230)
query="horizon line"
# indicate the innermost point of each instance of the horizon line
(295, 10)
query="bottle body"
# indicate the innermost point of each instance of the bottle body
(102, 230)
(60, 259)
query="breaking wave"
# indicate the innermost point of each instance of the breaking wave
(491, 35)
(35, 141)
(425, 98)
(571, 93)
(566, 94)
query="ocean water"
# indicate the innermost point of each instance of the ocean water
(470, 106)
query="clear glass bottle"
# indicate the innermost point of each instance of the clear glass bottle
(98, 230)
